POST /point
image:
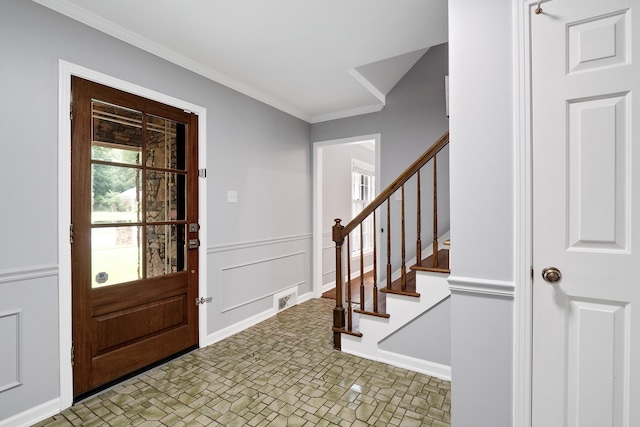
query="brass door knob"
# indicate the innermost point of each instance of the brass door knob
(551, 275)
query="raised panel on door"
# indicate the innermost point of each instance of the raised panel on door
(134, 193)
(586, 195)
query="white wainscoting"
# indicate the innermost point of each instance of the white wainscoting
(29, 377)
(10, 349)
(276, 274)
(243, 277)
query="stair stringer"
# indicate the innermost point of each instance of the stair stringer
(433, 288)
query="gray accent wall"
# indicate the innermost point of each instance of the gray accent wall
(413, 118)
(256, 150)
(426, 337)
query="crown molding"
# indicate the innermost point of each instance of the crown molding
(347, 113)
(81, 15)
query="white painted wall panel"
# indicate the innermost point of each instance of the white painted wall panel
(237, 282)
(243, 278)
(10, 349)
(29, 355)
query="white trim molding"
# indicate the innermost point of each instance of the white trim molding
(256, 243)
(523, 225)
(317, 220)
(347, 113)
(74, 12)
(472, 285)
(414, 364)
(22, 274)
(33, 415)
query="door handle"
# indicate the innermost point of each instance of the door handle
(194, 243)
(551, 275)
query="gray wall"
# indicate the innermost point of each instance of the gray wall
(260, 152)
(411, 121)
(336, 198)
(427, 337)
(482, 211)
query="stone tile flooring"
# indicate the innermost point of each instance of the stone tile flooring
(281, 372)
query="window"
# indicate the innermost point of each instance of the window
(363, 191)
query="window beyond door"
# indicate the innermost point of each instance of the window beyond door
(363, 191)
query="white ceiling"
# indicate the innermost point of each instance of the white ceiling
(317, 60)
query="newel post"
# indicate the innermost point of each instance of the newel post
(338, 311)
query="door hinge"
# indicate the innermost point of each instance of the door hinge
(73, 355)
(71, 110)
(532, 272)
(71, 234)
(203, 300)
(202, 173)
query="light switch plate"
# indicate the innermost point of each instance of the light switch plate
(232, 196)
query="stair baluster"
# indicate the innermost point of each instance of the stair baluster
(349, 304)
(375, 267)
(389, 243)
(435, 211)
(340, 233)
(418, 225)
(361, 267)
(403, 266)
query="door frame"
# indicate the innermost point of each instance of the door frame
(523, 208)
(66, 70)
(318, 220)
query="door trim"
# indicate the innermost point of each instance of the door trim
(317, 219)
(523, 198)
(66, 70)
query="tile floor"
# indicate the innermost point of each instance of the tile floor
(281, 372)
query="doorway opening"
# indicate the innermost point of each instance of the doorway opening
(333, 186)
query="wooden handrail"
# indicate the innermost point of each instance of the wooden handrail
(340, 233)
(394, 186)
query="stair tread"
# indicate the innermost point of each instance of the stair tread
(396, 286)
(427, 263)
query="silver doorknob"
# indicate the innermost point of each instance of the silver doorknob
(551, 275)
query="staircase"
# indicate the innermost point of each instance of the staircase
(359, 327)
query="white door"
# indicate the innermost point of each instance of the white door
(586, 215)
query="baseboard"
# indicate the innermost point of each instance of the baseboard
(33, 415)
(327, 287)
(305, 297)
(237, 327)
(414, 364)
(247, 323)
(425, 367)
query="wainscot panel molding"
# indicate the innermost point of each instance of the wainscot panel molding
(22, 274)
(255, 243)
(471, 285)
(10, 351)
(243, 279)
(276, 273)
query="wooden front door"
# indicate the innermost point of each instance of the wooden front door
(586, 213)
(134, 233)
